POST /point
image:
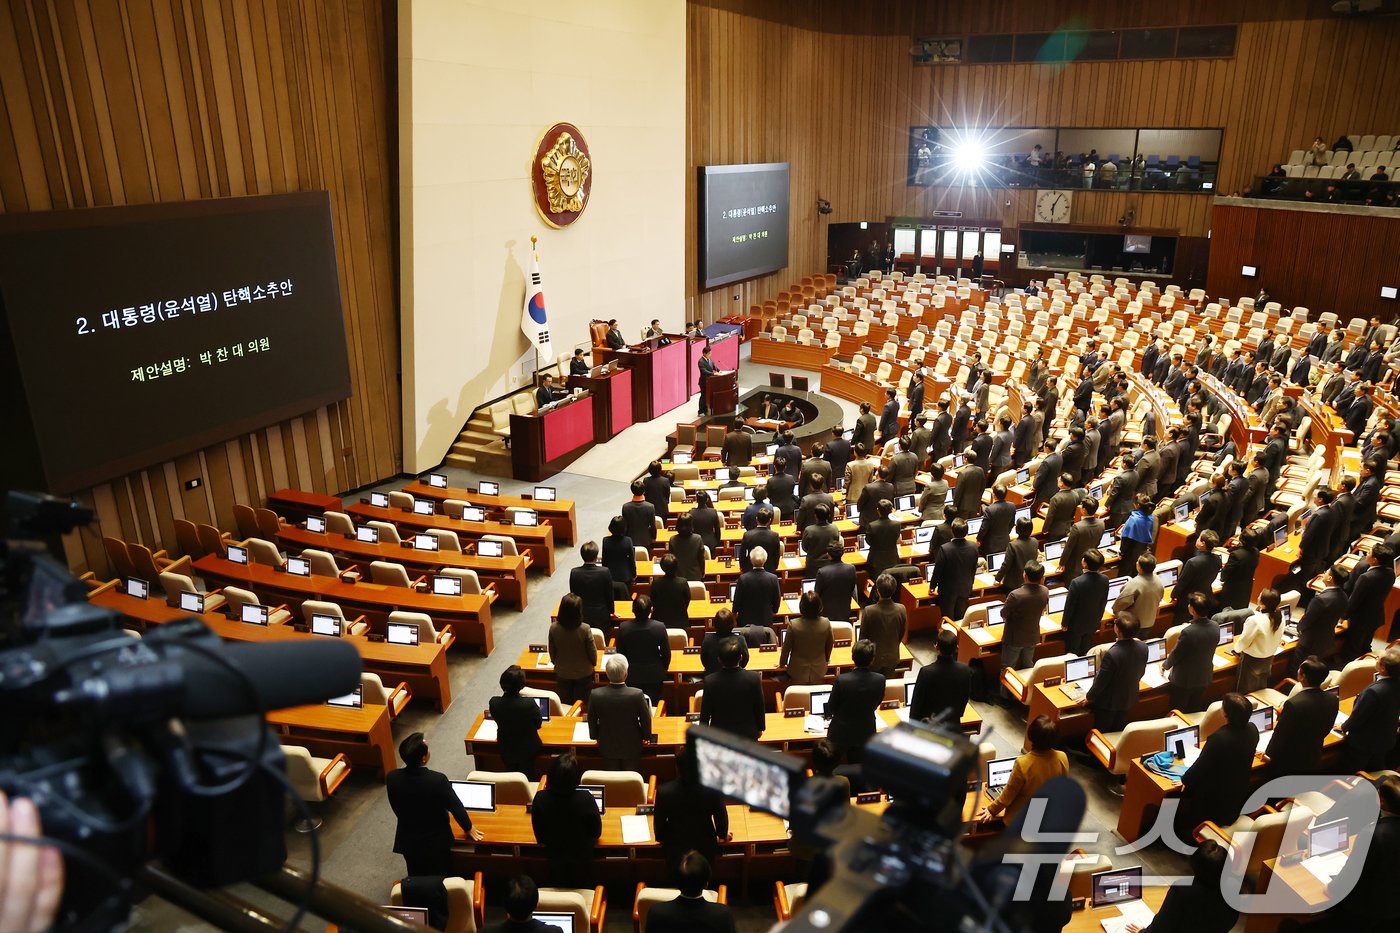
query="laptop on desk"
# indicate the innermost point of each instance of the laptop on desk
(998, 775)
(1079, 675)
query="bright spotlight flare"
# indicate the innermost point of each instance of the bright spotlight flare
(968, 155)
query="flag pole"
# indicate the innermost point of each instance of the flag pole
(534, 376)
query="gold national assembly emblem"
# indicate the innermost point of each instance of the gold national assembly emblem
(561, 175)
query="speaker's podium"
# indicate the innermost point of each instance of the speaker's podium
(722, 393)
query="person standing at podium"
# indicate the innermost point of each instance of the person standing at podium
(546, 394)
(707, 369)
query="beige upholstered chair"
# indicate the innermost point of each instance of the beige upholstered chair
(374, 691)
(588, 906)
(466, 903)
(513, 788)
(428, 632)
(648, 897)
(176, 583)
(235, 597)
(323, 563)
(265, 553)
(316, 607)
(315, 779)
(1115, 750)
(338, 523)
(387, 573)
(622, 788)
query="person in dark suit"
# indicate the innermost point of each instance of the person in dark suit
(757, 594)
(997, 521)
(614, 337)
(889, 417)
(1083, 535)
(838, 452)
(942, 689)
(979, 449)
(422, 800)
(670, 595)
(1023, 549)
(706, 523)
(690, 911)
(721, 629)
(707, 369)
(999, 457)
(1197, 907)
(1368, 494)
(592, 583)
(688, 549)
(815, 469)
(941, 437)
(1115, 687)
(1367, 587)
(1197, 574)
(884, 623)
(1315, 544)
(1122, 492)
(915, 396)
(1237, 576)
(1368, 897)
(578, 366)
(960, 426)
(640, 516)
(1317, 629)
(546, 394)
(619, 556)
(1084, 393)
(1086, 599)
(1235, 488)
(817, 539)
(1020, 615)
(855, 697)
(522, 898)
(1303, 723)
(818, 498)
(791, 454)
(864, 430)
(518, 724)
(689, 816)
(1357, 410)
(1047, 474)
(1060, 509)
(1191, 662)
(967, 493)
(619, 719)
(1370, 729)
(954, 569)
(1074, 453)
(1216, 785)
(782, 488)
(882, 535)
(566, 824)
(836, 584)
(642, 640)
(904, 466)
(656, 486)
(870, 496)
(733, 698)
(738, 447)
(1213, 509)
(761, 537)
(749, 520)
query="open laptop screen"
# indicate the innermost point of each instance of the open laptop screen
(402, 633)
(1117, 886)
(476, 795)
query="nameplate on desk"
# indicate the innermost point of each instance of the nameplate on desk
(873, 797)
(794, 713)
(610, 650)
(1052, 681)
(646, 809)
(719, 599)
(763, 648)
(375, 637)
(539, 649)
(692, 717)
(691, 649)
(890, 704)
(842, 643)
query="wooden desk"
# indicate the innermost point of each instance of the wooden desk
(688, 665)
(612, 400)
(560, 514)
(362, 734)
(296, 504)
(544, 443)
(811, 357)
(1244, 423)
(659, 377)
(1275, 563)
(1328, 431)
(538, 542)
(422, 667)
(1090, 920)
(852, 387)
(469, 614)
(506, 573)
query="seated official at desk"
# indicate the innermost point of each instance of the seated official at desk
(578, 366)
(654, 331)
(614, 337)
(546, 394)
(690, 910)
(768, 409)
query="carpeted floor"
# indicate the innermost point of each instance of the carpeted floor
(356, 837)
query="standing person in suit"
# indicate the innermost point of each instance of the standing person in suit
(1023, 550)
(864, 430)
(518, 724)
(1042, 763)
(1235, 488)
(733, 698)
(749, 520)
(1199, 906)
(817, 499)
(619, 718)
(997, 521)
(688, 549)
(705, 522)
(1142, 594)
(960, 426)
(640, 517)
(934, 496)
(1121, 492)
(670, 595)
(738, 447)
(883, 623)
(999, 457)
(817, 539)
(1258, 642)
(1020, 615)
(1086, 533)
(1303, 723)
(836, 584)
(1368, 585)
(1216, 786)
(1317, 630)
(859, 471)
(707, 369)
(791, 454)
(1047, 474)
(762, 537)
(955, 568)
(1237, 576)
(1060, 509)
(422, 800)
(592, 583)
(1073, 453)
(915, 395)
(942, 689)
(1214, 508)
(904, 465)
(721, 631)
(882, 535)
(816, 469)
(967, 492)
(875, 490)
(642, 640)
(656, 487)
(1197, 575)
(889, 417)
(1368, 494)
(572, 650)
(757, 594)
(1115, 687)
(689, 816)
(838, 453)
(1086, 599)
(690, 911)
(1148, 467)
(940, 436)
(781, 488)
(1315, 545)
(806, 653)
(619, 557)
(1191, 662)
(566, 824)
(1256, 493)
(1370, 729)
(855, 697)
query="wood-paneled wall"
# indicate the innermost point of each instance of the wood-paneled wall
(139, 101)
(829, 87)
(1320, 259)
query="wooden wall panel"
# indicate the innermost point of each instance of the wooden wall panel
(142, 101)
(1319, 259)
(829, 87)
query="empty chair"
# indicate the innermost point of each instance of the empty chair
(187, 539)
(322, 562)
(622, 788)
(587, 905)
(117, 557)
(235, 598)
(1115, 750)
(428, 632)
(314, 779)
(507, 544)
(447, 539)
(269, 523)
(338, 523)
(265, 553)
(471, 582)
(453, 508)
(316, 607)
(372, 689)
(245, 521)
(398, 499)
(556, 706)
(386, 573)
(388, 534)
(176, 583)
